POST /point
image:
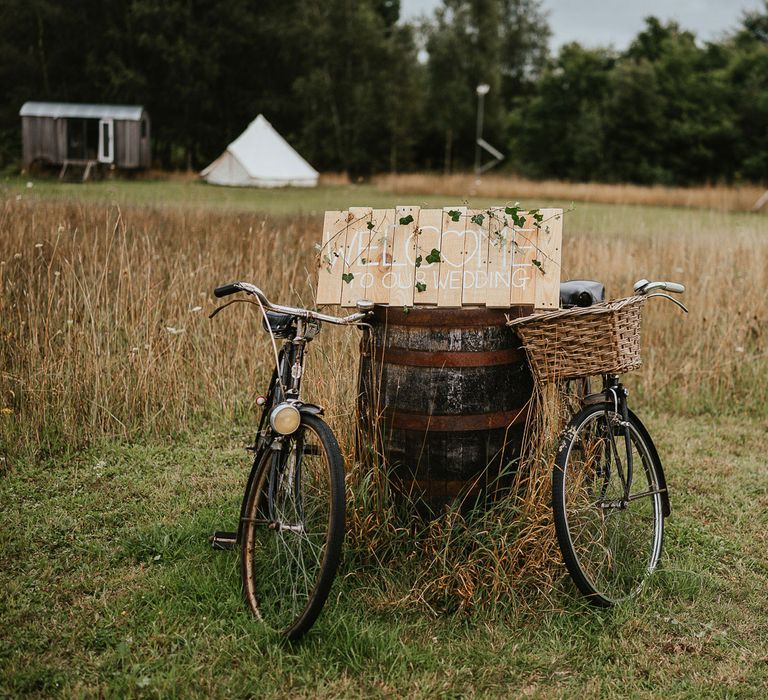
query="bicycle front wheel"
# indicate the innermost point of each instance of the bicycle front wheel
(293, 529)
(610, 543)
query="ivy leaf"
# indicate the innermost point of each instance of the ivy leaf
(514, 214)
(363, 261)
(455, 215)
(538, 264)
(418, 261)
(477, 219)
(370, 225)
(537, 215)
(434, 256)
(347, 277)
(405, 220)
(421, 287)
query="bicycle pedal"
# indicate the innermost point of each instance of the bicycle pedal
(223, 540)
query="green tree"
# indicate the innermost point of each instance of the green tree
(501, 43)
(558, 132)
(359, 87)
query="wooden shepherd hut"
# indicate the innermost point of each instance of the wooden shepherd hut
(85, 135)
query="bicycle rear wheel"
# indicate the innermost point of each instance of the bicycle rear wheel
(610, 545)
(293, 529)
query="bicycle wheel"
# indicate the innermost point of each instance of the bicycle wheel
(609, 545)
(293, 529)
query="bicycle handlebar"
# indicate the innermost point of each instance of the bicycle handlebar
(225, 290)
(644, 287)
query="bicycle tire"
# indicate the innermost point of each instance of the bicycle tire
(293, 529)
(609, 550)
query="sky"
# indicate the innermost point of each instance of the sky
(617, 22)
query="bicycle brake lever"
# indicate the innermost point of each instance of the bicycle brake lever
(674, 301)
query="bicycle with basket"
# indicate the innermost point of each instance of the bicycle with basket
(609, 492)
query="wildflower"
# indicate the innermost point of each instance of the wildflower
(195, 309)
(6, 410)
(174, 331)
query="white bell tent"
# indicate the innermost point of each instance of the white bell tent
(260, 157)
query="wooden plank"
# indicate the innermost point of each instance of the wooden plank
(523, 279)
(427, 275)
(475, 275)
(356, 256)
(501, 242)
(452, 257)
(549, 246)
(379, 262)
(401, 277)
(331, 258)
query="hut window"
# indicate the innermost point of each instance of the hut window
(143, 128)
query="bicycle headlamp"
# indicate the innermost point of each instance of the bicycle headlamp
(285, 418)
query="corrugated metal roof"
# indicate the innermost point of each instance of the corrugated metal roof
(60, 110)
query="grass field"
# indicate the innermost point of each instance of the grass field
(124, 413)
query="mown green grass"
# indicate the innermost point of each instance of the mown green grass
(586, 217)
(107, 587)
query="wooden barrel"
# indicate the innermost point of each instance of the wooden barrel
(445, 394)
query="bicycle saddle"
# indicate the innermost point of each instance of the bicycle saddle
(280, 324)
(581, 293)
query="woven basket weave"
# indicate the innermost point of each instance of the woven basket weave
(582, 342)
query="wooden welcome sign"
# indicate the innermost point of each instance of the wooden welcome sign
(451, 257)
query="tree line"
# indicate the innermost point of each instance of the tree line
(355, 88)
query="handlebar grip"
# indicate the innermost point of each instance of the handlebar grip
(675, 287)
(226, 290)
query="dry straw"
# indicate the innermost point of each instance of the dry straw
(501, 187)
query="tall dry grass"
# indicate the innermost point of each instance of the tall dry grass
(104, 318)
(504, 187)
(104, 331)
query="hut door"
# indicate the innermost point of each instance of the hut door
(106, 141)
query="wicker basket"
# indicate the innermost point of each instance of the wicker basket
(582, 342)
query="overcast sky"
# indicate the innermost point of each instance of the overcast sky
(617, 22)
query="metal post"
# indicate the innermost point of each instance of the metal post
(482, 91)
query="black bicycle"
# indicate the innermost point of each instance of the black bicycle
(609, 492)
(291, 525)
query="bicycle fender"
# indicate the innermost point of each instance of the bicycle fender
(665, 505)
(311, 409)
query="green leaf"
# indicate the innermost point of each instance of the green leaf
(347, 277)
(421, 287)
(418, 261)
(363, 260)
(538, 264)
(514, 214)
(405, 220)
(434, 256)
(370, 225)
(477, 219)
(455, 215)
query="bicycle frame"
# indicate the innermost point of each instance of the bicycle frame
(614, 397)
(288, 374)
